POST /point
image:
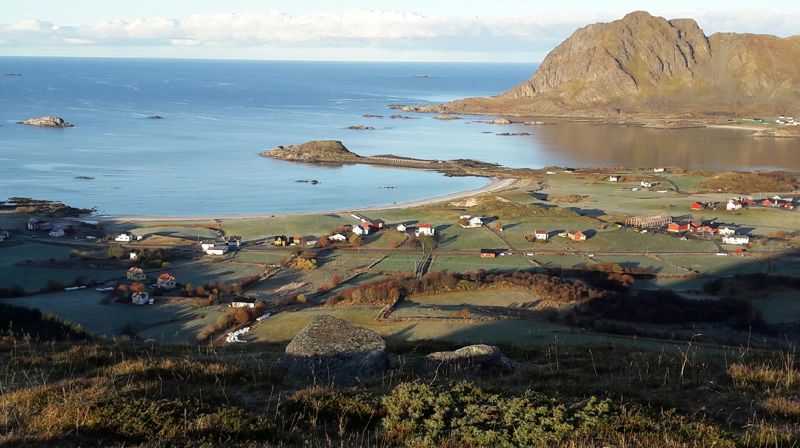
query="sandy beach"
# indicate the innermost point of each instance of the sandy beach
(495, 185)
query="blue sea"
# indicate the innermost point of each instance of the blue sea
(202, 158)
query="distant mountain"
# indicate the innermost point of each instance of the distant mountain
(650, 65)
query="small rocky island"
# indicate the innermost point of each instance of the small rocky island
(361, 127)
(47, 122)
(334, 152)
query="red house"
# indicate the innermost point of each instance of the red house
(698, 206)
(767, 203)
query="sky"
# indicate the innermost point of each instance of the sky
(376, 30)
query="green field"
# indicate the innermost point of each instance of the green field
(32, 278)
(84, 307)
(449, 305)
(716, 265)
(472, 262)
(282, 327)
(402, 262)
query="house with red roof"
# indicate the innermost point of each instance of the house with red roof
(166, 281)
(425, 230)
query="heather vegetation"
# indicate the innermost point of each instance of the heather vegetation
(132, 394)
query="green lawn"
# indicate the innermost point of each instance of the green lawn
(781, 307)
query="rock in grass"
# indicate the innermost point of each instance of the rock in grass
(331, 350)
(485, 358)
(48, 122)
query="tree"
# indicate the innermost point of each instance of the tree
(498, 226)
(428, 243)
(241, 316)
(355, 240)
(323, 242)
(116, 251)
(336, 279)
(137, 287)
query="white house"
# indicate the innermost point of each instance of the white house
(166, 281)
(205, 245)
(57, 233)
(134, 255)
(645, 184)
(613, 178)
(338, 237)
(126, 237)
(425, 230)
(542, 235)
(736, 239)
(469, 221)
(218, 250)
(136, 274)
(141, 298)
(658, 169)
(726, 231)
(359, 230)
(401, 228)
(242, 305)
(733, 205)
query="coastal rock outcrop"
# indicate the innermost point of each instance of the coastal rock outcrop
(313, 151)
(484, 358)
(643, 64)
(47, 122)
(332, 350)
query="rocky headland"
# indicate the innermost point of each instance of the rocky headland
(647, 69)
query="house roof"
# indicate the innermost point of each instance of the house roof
(135, 269)
(166, 276)
(425, 226)
(542, 232)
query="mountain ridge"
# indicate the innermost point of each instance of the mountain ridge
(647, 65)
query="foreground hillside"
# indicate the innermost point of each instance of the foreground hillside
(123, 394)
(650, 65)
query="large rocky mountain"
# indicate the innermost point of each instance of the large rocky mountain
(643, 64)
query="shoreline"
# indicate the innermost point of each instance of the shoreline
(495, 185)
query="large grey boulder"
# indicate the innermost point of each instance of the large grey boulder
(331, 350)
(484, 358)
(48, 122)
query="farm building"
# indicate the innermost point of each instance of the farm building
(577, 236)
(218, 250)
(361, 230)
(488, 253)
(649, 221)
(698, 206)
(401, 228)
(727, 231)
(542, 235)
(739, 240)
(38, 224)
(613, 178)
(206, 244)
(470, 222)
(166, 281)
(338, 237)
(733, 205)
(681, 227)
(135, 274)
(141, 298)
(425, 230)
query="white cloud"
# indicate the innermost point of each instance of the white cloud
(530, 35)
